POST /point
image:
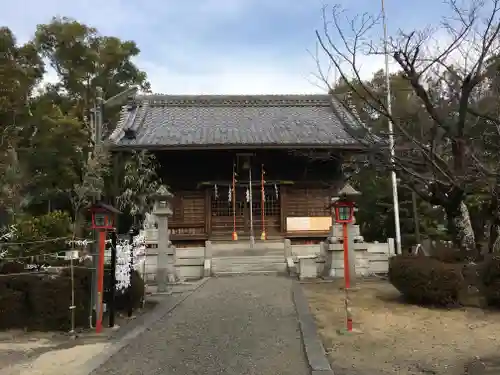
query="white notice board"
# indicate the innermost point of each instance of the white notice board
(308, 224)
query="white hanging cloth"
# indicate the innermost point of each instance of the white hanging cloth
(216, 192)
(230, 194)
(276, 191)
(247, 194)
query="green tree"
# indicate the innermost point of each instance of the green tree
(376, 202)
(140, 182)
(54, 154)
(85, 60)
(21, 69)
(438, 160)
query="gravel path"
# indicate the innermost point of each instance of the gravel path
(233, 325)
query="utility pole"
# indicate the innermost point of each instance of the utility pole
(394, 180)
(97, 120)
(99, 116)
(96, 126)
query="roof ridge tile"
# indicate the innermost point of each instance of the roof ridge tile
(234, 100)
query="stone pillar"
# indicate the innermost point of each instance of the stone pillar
(391, 247)
(287, 244)
(208, 249)
(207, 264)
(165, 271)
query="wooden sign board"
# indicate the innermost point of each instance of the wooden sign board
(308, 224)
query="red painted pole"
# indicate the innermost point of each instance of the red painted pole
(100, 280)
(233, 201)
(263, 205)
(347, 275)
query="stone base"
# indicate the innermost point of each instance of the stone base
(172, 279)
(307, 267)
(345, 332)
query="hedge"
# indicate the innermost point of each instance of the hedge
(41, 301)
(442, 282)
(491, 278)
(425, 280)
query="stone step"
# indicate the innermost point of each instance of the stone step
(246, 252)
(229, 273)
(244, 245)
(243, 268)
(249, 266)
(249, 260)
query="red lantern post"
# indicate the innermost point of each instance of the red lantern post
(102, 221)
(263, 235)
(233, 202)
(344, 215)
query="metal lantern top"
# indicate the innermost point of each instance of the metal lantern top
(348, 192)
(103, 216)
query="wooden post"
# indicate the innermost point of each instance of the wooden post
(112, 286)
(132, 233)
(233, 201)
(100, 280)
(263, 236)
(283, 204)
(252, 234)
(208, 213)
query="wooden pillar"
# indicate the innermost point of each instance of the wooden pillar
(208, 213)
(283, 205)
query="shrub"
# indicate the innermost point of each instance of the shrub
(133, 295)
(491, 280)
(11, 267)
(448, 254)
(49, 299)
(426, 280)
(41, 302)
(11, 306)
(30, 229)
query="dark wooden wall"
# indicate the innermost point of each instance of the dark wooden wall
(305, 188)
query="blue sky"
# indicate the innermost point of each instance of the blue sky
(218, 46)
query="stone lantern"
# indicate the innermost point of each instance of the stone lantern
(165, 268)
(345, 198)
(344, 208)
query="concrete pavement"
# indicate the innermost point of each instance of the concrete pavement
(233, 325)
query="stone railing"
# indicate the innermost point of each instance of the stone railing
(369, 258)
(189, 261)
(327, 258)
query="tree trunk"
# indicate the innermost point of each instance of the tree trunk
(494, 240)
(460, 227)
(78, 225)
(494, 216)
(481, 219)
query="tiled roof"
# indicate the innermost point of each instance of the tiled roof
(168, 121)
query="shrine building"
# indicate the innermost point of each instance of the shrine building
(239, 166)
